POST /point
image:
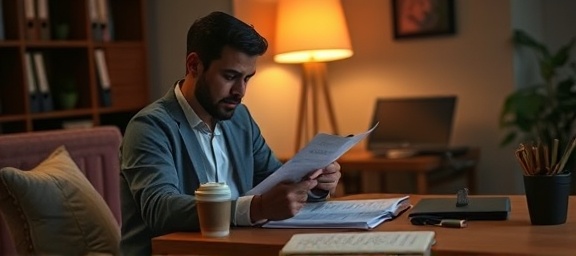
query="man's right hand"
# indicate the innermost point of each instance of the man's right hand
(282, 201)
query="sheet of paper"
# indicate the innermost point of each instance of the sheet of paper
(320, 152)
(356, 243)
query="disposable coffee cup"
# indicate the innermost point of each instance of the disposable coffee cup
(213, 204)
(547, 198)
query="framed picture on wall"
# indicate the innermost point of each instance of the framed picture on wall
(420, 18)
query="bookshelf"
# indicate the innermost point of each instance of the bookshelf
(67, 34)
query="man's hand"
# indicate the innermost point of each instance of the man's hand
(286, 199)
(328, 177)
(282, 201)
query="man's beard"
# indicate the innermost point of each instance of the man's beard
(202, 94)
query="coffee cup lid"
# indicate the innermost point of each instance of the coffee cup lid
(213, 191)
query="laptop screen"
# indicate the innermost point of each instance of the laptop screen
(412, 122)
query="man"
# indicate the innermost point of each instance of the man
(200, 132)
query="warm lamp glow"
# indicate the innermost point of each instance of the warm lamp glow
(311, 31)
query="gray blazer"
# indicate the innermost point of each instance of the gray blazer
(162, 164)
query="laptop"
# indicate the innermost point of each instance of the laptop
(411, 126)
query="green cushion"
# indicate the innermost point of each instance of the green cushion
(53, 209)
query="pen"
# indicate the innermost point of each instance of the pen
(437, 221)
(453, 223)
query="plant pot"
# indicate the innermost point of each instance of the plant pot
(67, 100)
(62, 31)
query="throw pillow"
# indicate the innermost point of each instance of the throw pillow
(54, 210)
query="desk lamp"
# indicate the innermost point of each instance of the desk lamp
(311, 33)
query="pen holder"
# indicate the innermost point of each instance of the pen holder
(547, 198)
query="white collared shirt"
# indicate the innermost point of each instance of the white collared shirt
(214, 146)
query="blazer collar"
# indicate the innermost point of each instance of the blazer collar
(193, 147)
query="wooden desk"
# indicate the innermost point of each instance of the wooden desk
(371, 167)
(515, 236)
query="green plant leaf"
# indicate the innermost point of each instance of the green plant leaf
(547, 69)
(563, 55)
(544, 111)
(566, 88)
(523, 39)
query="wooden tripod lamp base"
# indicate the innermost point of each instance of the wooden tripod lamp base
(315, 91)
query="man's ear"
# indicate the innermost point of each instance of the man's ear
(193, 64)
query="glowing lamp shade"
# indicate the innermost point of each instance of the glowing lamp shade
(311, 31)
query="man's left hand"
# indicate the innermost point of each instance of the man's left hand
(328, 177)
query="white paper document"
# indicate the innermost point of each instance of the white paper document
(319, 153)
(356, 214)
(361, 243)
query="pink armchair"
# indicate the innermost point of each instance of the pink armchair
(95, 151)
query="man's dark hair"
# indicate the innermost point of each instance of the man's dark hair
(208, 35)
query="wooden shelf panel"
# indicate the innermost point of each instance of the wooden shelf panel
(128, 19)
(12, 118)
(126, 64)
(57, 44)
(61, 114)
(9, 43)
(122, 44)
(112, 110)
(12, 90)
(60, 123)
(11, 32)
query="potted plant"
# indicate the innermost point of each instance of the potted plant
(546, 110)
(67, 93)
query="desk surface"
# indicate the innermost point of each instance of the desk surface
(515, 236)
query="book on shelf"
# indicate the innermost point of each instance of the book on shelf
(33, 92)
(103, 78)
(417, 243)
(355, 214)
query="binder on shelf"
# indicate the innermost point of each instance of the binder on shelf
(33, 94)
(43, 85)
(103, 78)
(110, 24)
(43, 19)
(95, 20)
(104, 17)
(30, 16)
(2, 32)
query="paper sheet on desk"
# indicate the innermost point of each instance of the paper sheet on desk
(320, 152)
